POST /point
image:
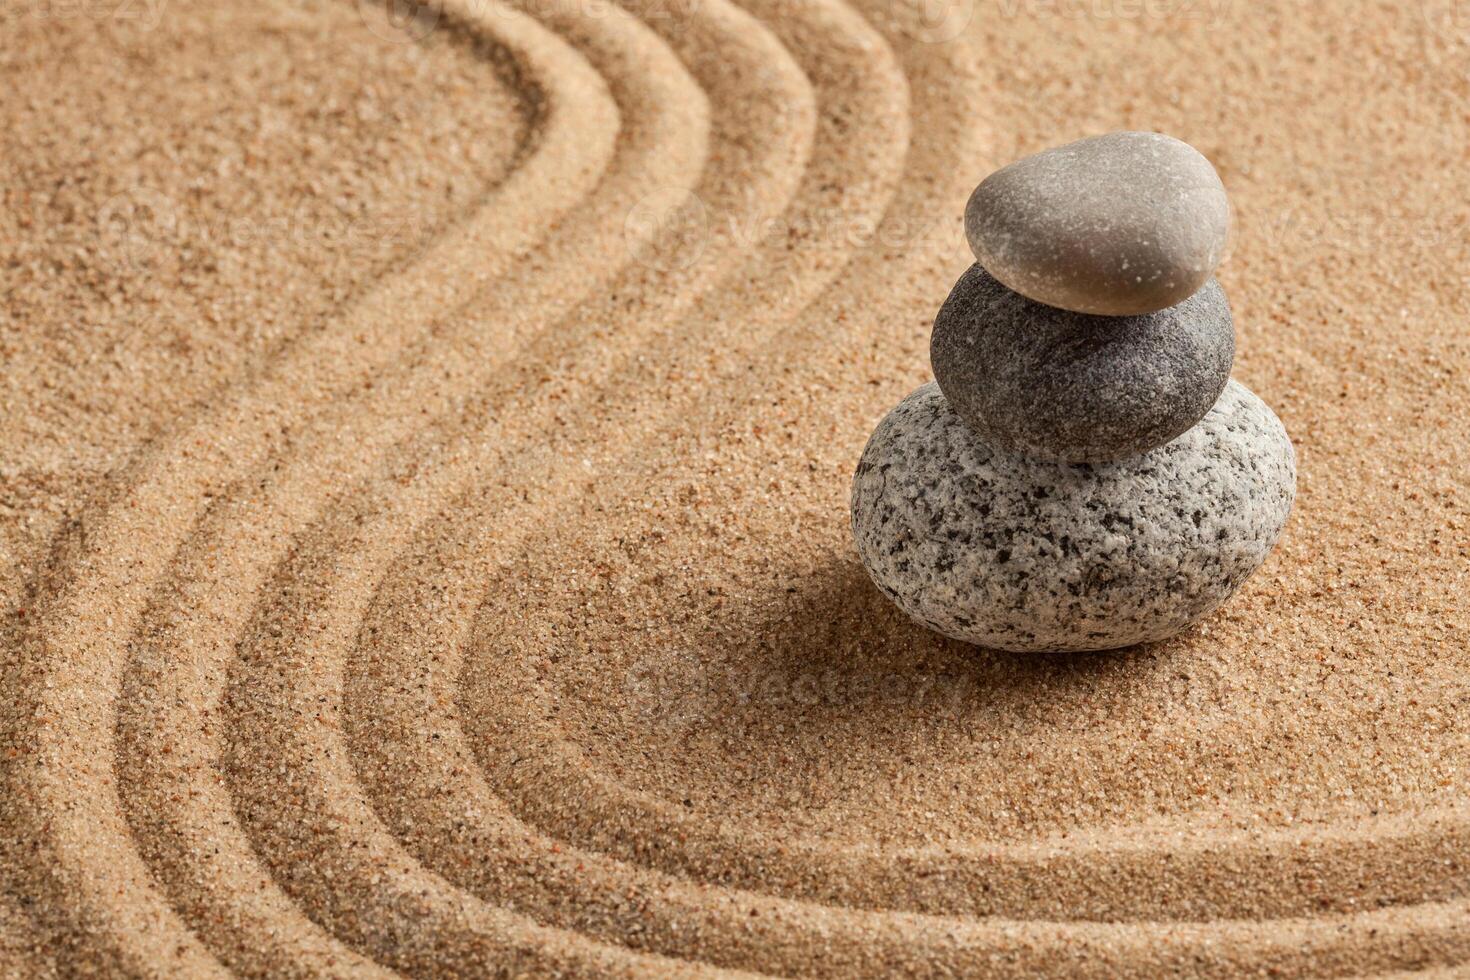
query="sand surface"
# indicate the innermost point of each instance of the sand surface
(424, 452)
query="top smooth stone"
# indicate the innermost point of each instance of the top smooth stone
(1117, 225)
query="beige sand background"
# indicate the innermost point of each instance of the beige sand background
(424, 449)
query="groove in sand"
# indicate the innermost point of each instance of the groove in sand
(349, 638)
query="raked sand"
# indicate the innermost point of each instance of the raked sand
(424, 457)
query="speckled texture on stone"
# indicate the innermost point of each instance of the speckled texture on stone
(1034, 379)
(1118, 224)
(1021, 554)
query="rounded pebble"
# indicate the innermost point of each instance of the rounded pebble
(1116, 225)
(1034, 379)
(1025, 555)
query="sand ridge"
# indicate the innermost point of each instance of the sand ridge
(502, 618)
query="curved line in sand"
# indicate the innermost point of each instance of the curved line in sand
(432, 887)
(597, 817)
(661, 147)
(374, 700)
(1131, 894)
(127, 540)
(330, 792)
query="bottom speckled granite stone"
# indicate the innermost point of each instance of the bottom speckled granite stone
(1023, 554)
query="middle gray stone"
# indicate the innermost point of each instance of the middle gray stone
(1075, 387)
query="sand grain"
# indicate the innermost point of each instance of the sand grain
(423, 476)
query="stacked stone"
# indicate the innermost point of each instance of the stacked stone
(1085, 474)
